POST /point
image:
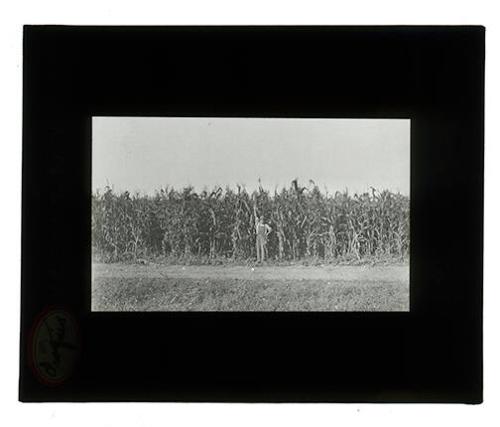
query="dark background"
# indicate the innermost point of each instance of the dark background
(433, 75)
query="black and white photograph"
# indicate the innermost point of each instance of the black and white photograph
(250, 214)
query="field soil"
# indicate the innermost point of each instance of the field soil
(157, 287)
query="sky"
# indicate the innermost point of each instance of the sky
(145, 154)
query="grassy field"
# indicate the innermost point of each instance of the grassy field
(156, 287)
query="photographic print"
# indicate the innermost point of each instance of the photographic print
(250, 214)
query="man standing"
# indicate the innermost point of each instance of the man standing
(262, 230)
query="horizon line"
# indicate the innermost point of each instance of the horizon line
(323, 189)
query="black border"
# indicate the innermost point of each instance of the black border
(432, 75)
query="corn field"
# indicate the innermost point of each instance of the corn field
(220, 224)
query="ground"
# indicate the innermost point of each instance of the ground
(157, 287)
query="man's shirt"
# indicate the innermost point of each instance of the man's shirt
(262, 229)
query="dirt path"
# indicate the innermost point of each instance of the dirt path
(366, 274)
